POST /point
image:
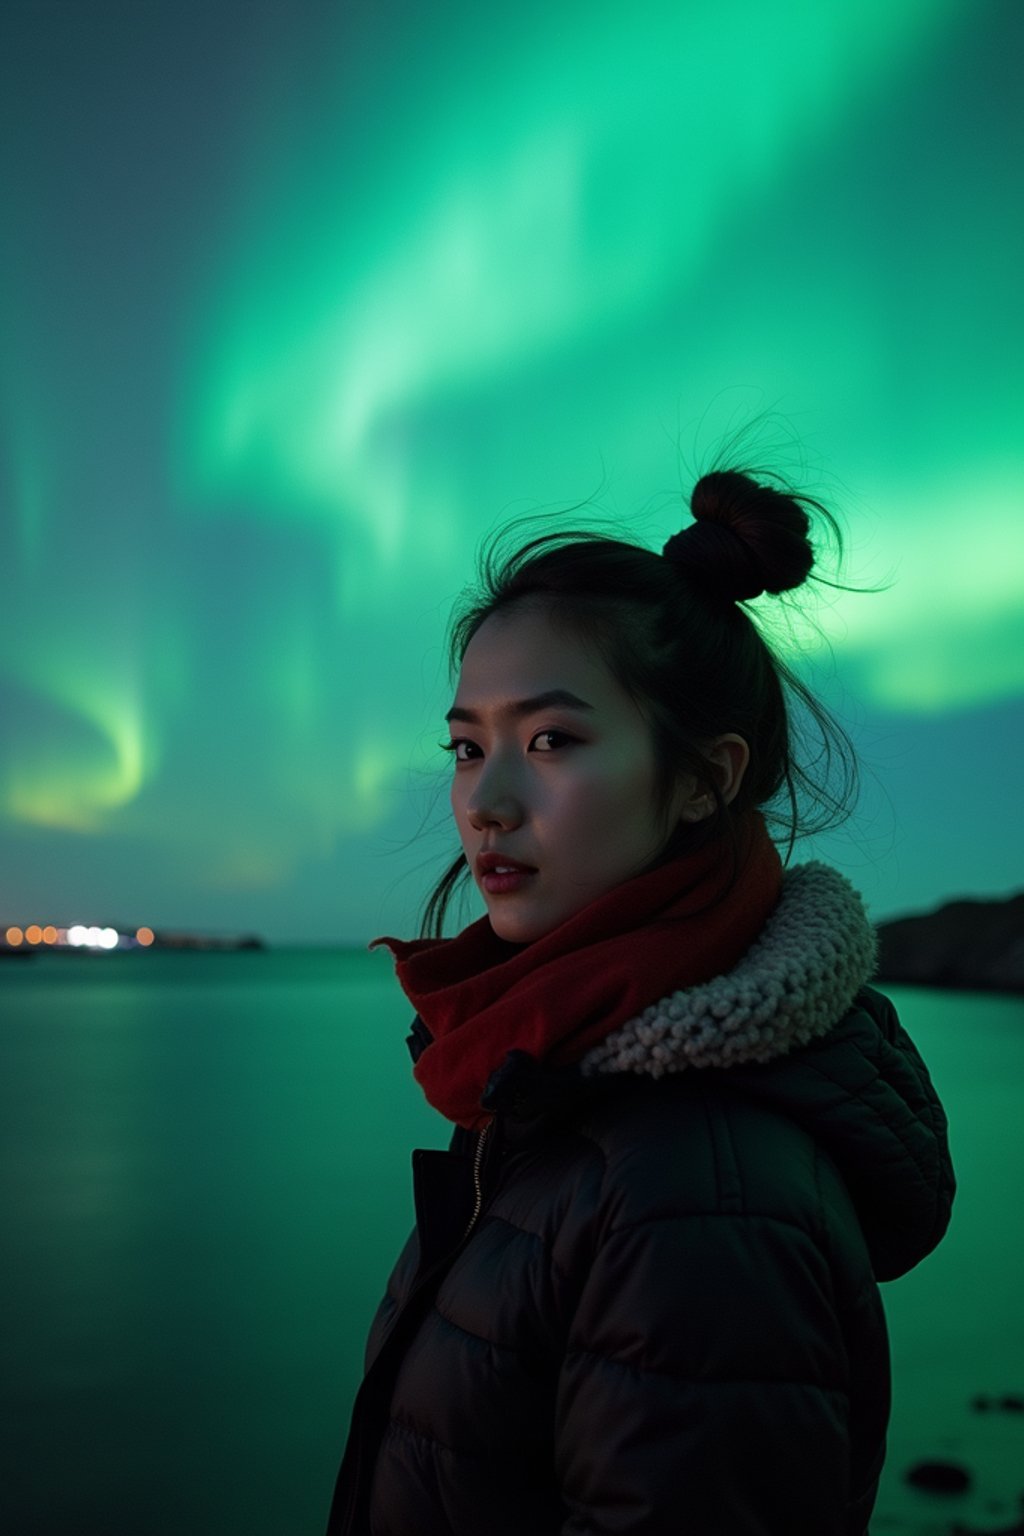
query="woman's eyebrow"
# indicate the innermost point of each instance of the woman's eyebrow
(518, 708)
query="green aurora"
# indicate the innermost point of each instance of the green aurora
(301, 301)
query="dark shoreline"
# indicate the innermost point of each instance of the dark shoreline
(965, 945)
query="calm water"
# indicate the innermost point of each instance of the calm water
(206, 1178)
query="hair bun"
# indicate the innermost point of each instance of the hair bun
(747, 539)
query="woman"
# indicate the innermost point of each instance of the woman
(642, 1294)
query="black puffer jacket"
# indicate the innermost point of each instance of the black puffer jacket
(645, 1299)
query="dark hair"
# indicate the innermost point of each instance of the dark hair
(673, 630)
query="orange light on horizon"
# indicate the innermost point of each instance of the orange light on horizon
(34, 934)
(49, 934)
(14, 936)
(144, 935)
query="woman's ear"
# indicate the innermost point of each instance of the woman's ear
(728, 756)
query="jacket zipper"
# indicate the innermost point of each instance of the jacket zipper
(477, 1162)
(356, 1449)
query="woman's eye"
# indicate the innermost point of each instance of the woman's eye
(461, 741)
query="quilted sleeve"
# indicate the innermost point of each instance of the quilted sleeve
(705, 1385)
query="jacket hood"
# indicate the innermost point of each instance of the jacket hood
(794, 1027)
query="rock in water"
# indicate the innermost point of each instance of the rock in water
(939, 1476)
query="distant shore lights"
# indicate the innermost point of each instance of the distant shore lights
(78, 936)
(94, 939)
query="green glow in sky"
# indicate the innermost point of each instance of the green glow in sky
(300, 302)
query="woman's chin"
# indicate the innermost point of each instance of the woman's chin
(513, 933)
(523, 927)
(517, 929)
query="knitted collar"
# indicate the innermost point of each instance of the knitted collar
(793, 984)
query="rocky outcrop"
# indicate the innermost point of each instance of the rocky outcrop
(971, 944)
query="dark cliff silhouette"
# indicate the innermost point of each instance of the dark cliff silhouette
(969, 944)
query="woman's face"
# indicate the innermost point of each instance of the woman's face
(566, 790)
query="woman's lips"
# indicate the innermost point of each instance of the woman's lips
(489, 861)
(503, 885)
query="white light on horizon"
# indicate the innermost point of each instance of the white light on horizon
(93, 938)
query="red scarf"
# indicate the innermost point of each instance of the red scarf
(482, 996)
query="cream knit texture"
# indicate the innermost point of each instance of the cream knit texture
(794, 983)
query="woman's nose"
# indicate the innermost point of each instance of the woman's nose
(493, 801)
(482, 814)
(497, 794)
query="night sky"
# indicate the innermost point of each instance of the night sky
(300, 301)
